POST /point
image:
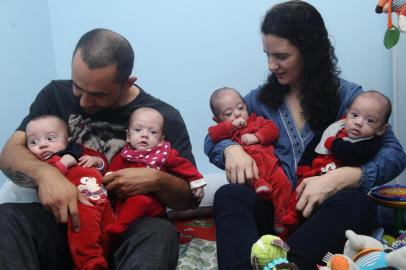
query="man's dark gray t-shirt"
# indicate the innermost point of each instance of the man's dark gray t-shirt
(106, 131)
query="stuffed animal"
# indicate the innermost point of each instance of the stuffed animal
(392, 34)
(270, 252)
(363, 252)
(398, 6)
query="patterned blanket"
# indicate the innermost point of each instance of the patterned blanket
(197, 250)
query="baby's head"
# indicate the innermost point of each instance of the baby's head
(146, 128)
(227, 105)
(368, 115)
(46, 135)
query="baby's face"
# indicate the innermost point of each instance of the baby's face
(46, 137)
(365, 118)
(145, 130)
(230, 106)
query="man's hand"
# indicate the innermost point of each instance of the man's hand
(240, 167)
(60, 196)
(132, 181)
(239, 123)
(249, 139)
(89, 161)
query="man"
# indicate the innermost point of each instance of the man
(97, 103)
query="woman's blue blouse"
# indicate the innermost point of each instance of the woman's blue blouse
(386, 165)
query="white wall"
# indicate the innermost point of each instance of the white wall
(27, 59)
(186, 49)
(399, 94)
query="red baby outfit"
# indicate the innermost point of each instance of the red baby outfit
(160, 157)
(336, 149)
(86, 246)
(272, 183)
(323, 162)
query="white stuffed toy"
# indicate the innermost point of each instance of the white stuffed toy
(363, 252)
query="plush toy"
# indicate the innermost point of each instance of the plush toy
(399, 7)
(363, 252)
(270, 252)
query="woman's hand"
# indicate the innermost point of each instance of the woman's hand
(313, 191)
(240, 167)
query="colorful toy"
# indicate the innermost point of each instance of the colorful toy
(392, 33)
(393, 196)
(270, 252)
(363, 252)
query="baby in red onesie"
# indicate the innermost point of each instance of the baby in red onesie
(256, 135)
(146, 147)
(351, 141)
(48, 139)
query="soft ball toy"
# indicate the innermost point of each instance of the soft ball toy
(399, 7)
(270, 252)
(363, 252)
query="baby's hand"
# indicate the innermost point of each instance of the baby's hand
(239, 123)
(89, 161)
(198, 193)
(68, 161)
(248, 139)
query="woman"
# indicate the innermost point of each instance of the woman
(302, 95)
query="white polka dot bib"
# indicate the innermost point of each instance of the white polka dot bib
(152, 158)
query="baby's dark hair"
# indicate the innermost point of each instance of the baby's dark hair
(215, 95)
(151, 110)
(381, 97)
(63, 123)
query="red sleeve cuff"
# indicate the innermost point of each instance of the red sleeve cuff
(260, 138)
(329, 143)
(221, 131)
(59, 165)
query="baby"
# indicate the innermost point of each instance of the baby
(47, 138)
(146, 147)
(256, 135)
(351, 141)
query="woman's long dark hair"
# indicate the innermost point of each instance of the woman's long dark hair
(303, 26)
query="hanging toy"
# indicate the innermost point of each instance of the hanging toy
(392, 34)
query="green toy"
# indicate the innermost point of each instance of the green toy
(392, 34)
(270, 252)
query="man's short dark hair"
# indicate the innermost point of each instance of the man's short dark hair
(102, 47)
